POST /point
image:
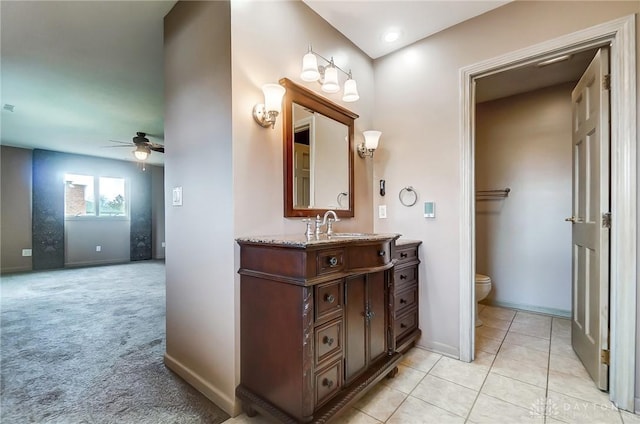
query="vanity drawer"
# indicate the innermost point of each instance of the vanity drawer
(330, 261)
(406, 323)
(328, 341)
(370, 255)
(406, 253)
(328, 382)
(406, 299)
(328, 301)
(405, 276)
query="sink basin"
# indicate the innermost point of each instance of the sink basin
(351, 235)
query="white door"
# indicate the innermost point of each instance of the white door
(590, 232)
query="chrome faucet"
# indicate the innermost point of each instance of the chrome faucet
(326, 221)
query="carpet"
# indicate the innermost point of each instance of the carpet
(86, 345)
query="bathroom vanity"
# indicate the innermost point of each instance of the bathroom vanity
(318, 321)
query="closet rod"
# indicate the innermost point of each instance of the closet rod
(492, 194)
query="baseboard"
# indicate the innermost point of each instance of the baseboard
(440, 348)
(15, 269)
(530, 308)
(96, 263)
(230, 406)
(637, 406)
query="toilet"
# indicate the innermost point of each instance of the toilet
(483, 287)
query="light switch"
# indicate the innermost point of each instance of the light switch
(382, 211)
(177, 196)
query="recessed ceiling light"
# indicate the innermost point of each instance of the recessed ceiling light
(391, 35)
(554, 60)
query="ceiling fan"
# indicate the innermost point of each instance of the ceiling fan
(143, 146)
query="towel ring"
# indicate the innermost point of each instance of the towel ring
(408, 196)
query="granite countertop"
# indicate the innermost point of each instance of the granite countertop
(300, 240)
(402, 241)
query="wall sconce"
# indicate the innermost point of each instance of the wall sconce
(141, 152)
(266, 114)
(371, 139)
(327, 75)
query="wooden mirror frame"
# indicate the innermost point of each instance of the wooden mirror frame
(307, 98)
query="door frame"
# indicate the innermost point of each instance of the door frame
(619, 35)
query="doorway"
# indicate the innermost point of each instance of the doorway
(620, 35)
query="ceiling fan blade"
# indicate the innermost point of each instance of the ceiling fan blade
(121, 145)
(122, 142)
(157, 148)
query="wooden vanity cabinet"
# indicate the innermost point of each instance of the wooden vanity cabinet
(316, 326)
(406, 293)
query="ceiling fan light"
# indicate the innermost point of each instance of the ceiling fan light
(141, 153)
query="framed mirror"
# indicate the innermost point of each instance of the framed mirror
(318, 154)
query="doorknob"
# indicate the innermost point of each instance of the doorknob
(573, 219)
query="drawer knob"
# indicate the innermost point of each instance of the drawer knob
(403, 277)
(403, 301)
(328, 340)
(333, 261)
(381, 252)
(329, 298)
(403, 255)
(403, 325)
(327, 383)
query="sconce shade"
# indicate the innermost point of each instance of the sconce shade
(141, 153)
(330, 84)
(310, 68)
(371, 139)
(350, 91)
(273, 94)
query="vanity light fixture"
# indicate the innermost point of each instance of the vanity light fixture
(141, 152)
(370, 144)
(327, 75)
(266, 113)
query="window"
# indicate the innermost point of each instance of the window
(86, 195)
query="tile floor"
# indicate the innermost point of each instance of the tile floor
(525, 371)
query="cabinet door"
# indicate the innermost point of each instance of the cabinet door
(376, 315)
(355, 326)
(365, 322)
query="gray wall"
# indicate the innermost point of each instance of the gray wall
(81, 237)
(522, 242)
(15, 201)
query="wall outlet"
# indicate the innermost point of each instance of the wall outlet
(382, 211)
(98, 248)
(26, 252)
(164, 244)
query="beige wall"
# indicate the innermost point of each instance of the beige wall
(157, 210)
(522, 242)
(15, 200)
(199, 234)
(417, 110)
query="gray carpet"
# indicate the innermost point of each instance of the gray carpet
(86, 346)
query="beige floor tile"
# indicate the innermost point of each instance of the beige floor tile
(531, 342)
(420, 359)
(520, 371)
(568, 365)
(535, 329)
(577, 387)
(416, 411)
(561, 346)
(470, 375)
(487, 345)
(561, 327)
(244, 419)
(353, 416)
(572, 410)
(514, 391)
(495, 322)
(491, 333)
(406, 380)
(532, 318)
(491, 410)
(446, 395)
(483, 359)
(524, 354)
(497, 312)
(629, 418)
(381, 402)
